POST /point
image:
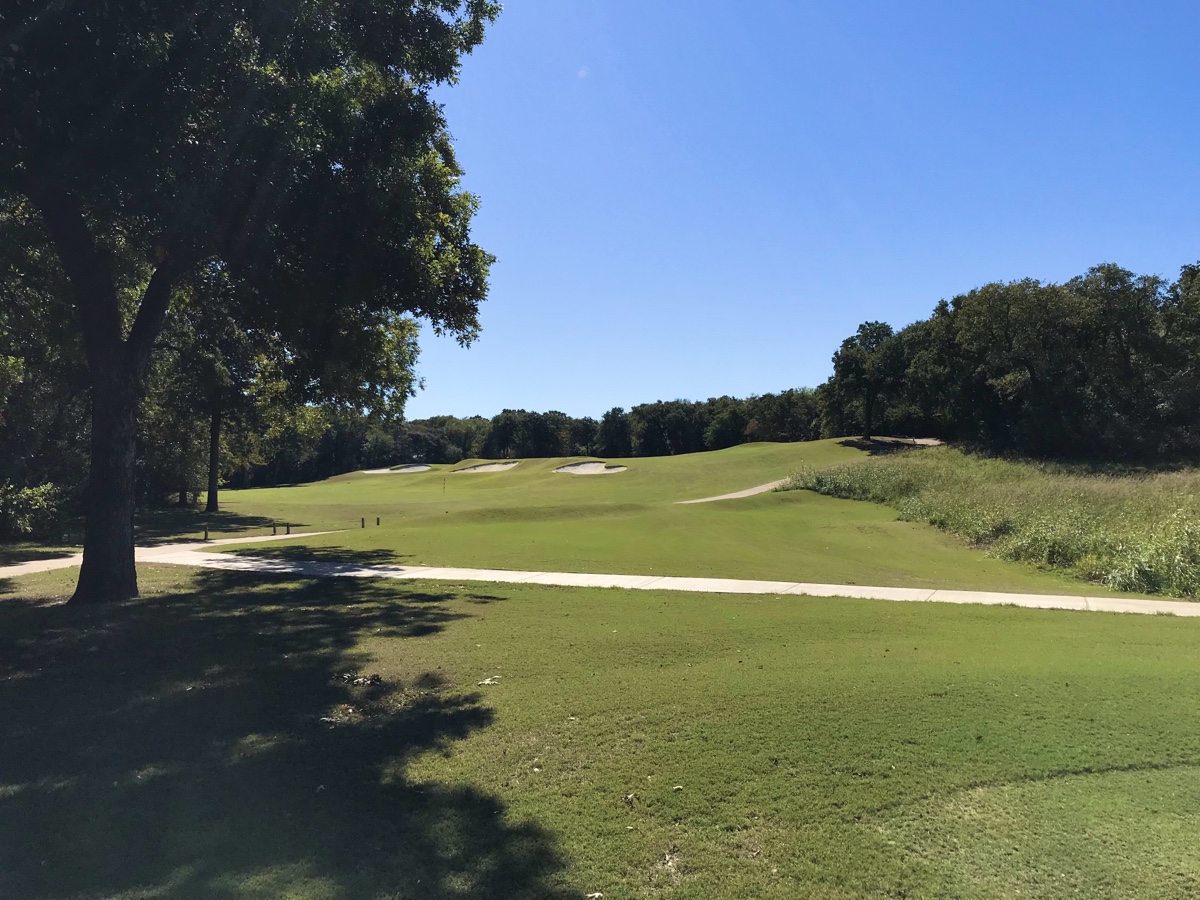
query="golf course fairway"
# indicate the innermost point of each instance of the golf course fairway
(632, 522)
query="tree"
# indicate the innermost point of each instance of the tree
(295, 143)
(867, 366)
(613, 438)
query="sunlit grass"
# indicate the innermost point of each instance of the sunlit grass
(1130, 531)
(205, 741)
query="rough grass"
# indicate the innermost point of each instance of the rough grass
(1130, 531)
(205, 741)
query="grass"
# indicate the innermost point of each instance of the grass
(630, 522)
(205, 742)
(1130, 531)
(12, 552)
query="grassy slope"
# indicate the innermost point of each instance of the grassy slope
(531, 518)
(174, 747)
(1137, 531)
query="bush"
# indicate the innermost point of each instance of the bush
(1131, 531)
(31, 512)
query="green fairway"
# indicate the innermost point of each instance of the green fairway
(630, 522)
(209, 741)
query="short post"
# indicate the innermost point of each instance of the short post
(377, 520)
(289, 527)
(364, 522)
(206, 532)
(274, 528)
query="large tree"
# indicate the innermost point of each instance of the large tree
(294, 142)
(867, 365)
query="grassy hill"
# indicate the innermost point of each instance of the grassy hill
(631, 522)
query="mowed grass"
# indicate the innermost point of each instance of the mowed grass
(630, 522)
(209, 740)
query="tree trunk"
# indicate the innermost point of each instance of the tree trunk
(214, 458)
(868, 411)
(185, 453)
(108, 571)
(117, 361)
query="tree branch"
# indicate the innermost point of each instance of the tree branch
(151, 314)
(87, 267)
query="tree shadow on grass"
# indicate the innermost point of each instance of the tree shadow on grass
(161, 525)
(882, 446)
(339, 555)
(24, 551)
(231, 742)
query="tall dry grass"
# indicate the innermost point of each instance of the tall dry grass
(1129, 530)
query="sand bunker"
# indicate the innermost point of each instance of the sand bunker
(590, 468)
(399, 470)
(488, 467)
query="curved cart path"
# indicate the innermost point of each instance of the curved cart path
(748, 492)
(189, 555)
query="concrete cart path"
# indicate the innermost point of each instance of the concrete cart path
(189, 555)
(145, 554)
(748, 492)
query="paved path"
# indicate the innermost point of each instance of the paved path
(189, 555)
(748, 492)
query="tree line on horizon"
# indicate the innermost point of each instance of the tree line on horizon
(1104, 367)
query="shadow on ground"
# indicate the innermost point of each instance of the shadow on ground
(881, 446)
(160, 525)
(230, 741)
(21, 551)
(338, 555)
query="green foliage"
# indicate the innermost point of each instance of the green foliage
(29, 512)
(1136, 532)
(1104, 366)
(867, 367)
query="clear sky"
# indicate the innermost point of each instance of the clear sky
(690, 198)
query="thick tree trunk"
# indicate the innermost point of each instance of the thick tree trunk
(214, 459)
(108, 571)
(868, 413)
(117, 362)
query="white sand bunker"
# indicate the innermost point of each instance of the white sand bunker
(399, 470)
(590, 468)
(488, 467)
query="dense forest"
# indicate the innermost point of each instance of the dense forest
(1103, 367)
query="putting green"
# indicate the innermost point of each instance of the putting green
(529, 517)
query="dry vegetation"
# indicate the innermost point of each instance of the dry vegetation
(1130, 530)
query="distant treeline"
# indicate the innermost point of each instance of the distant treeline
(1103, 367)
(651, 429)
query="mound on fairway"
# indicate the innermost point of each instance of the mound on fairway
(590, 468)
(533, 520)
(399, 470)
(487, 467)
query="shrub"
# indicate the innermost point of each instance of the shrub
(28, 512)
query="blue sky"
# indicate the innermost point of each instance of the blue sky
(690, 199)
